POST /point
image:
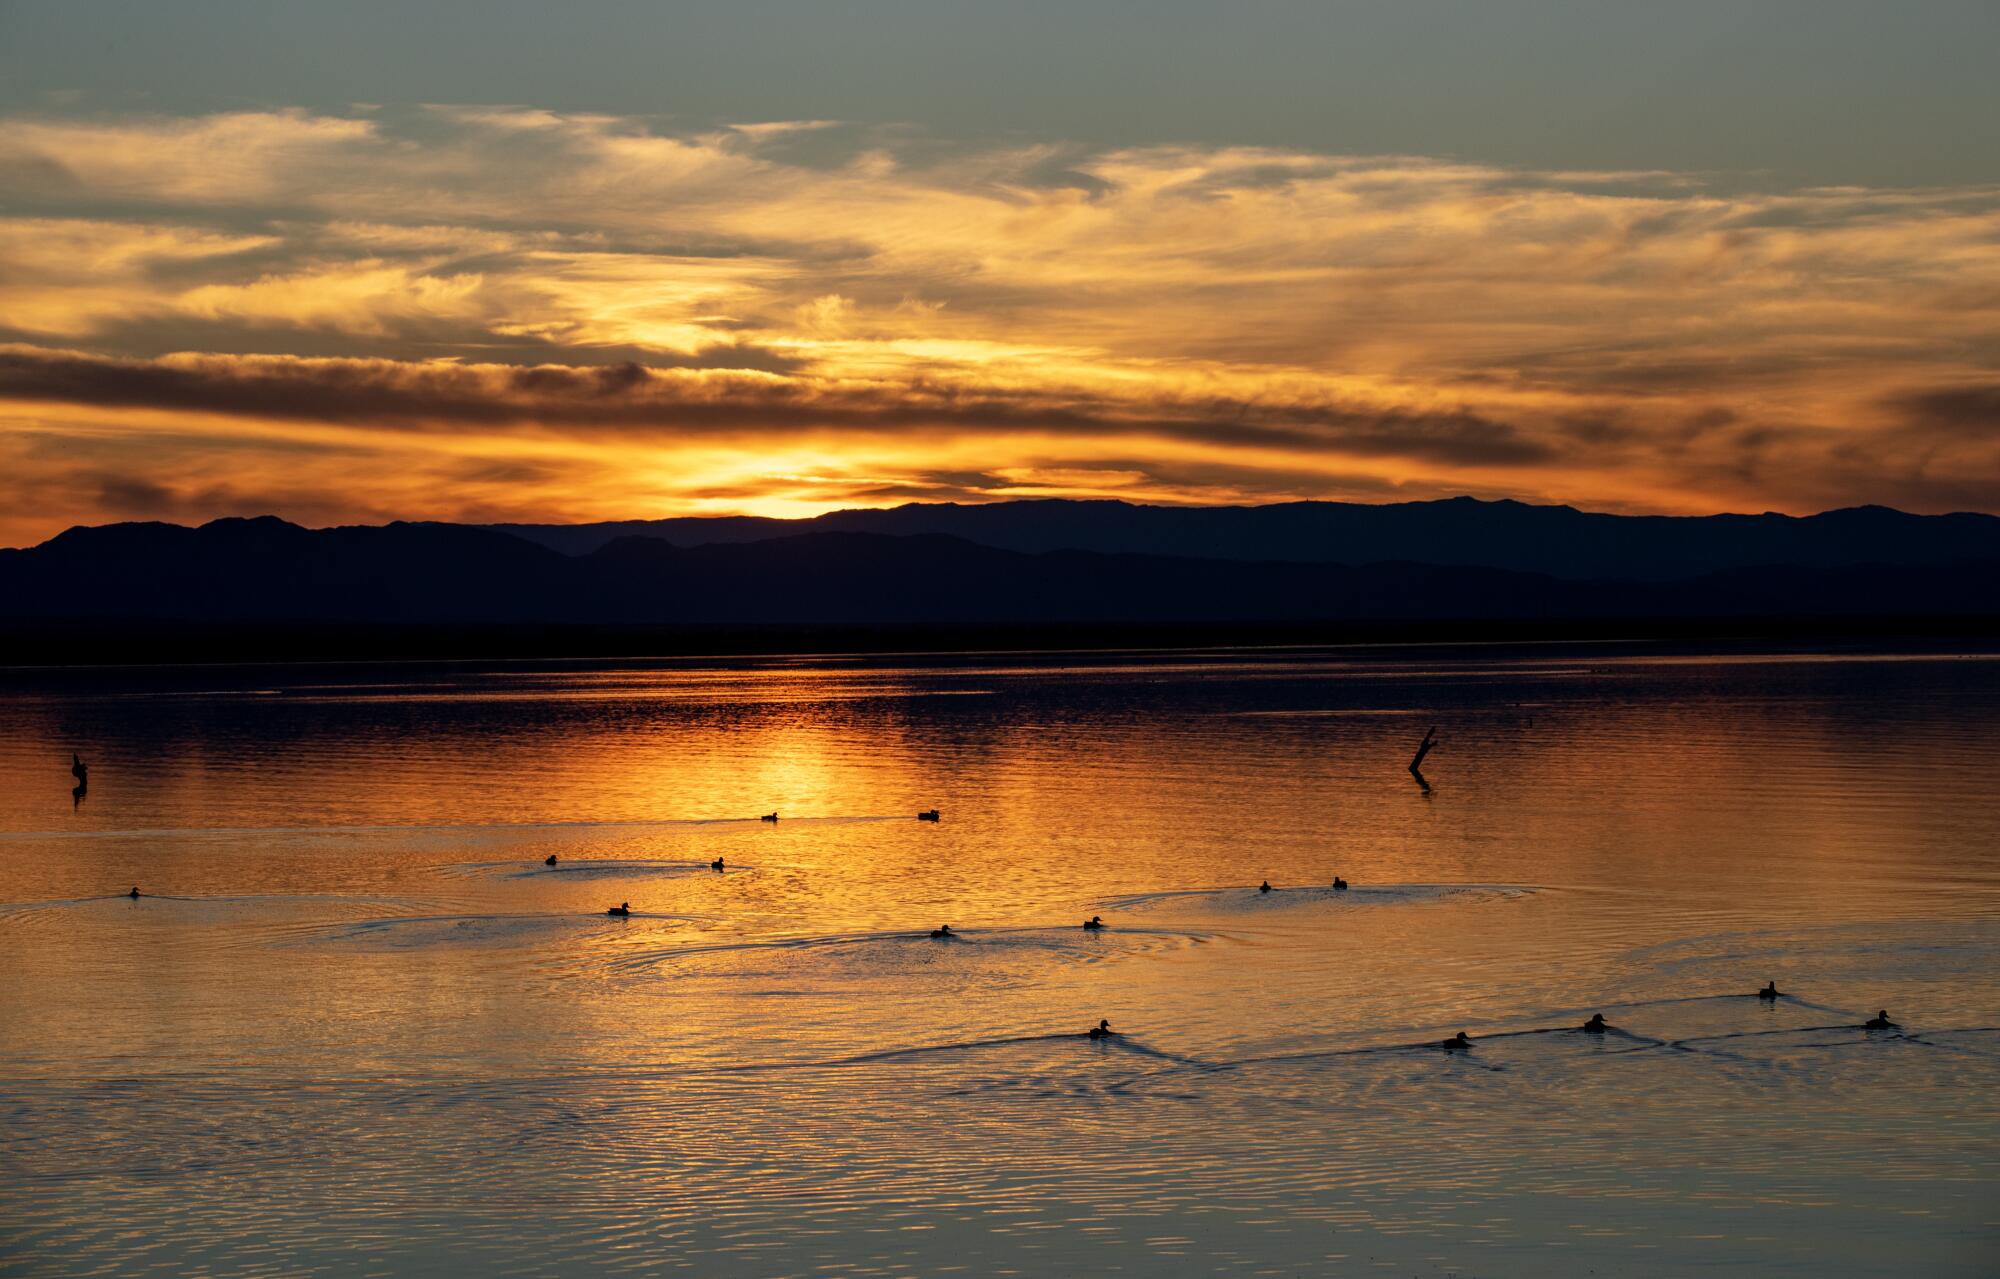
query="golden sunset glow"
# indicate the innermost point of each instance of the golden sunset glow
(519, 314)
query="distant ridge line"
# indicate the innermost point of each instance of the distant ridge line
(264, 570)
(1559, 541)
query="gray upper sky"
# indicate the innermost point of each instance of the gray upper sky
(1826, 92)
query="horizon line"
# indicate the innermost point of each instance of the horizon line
(1025, 501)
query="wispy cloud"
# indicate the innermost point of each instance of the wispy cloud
(790, 316)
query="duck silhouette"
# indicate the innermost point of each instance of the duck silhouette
(550, 860)
(1596, 1024)
(928, 815)
(1102, 1030)
(943, 931)
(715, 865)
(768, 817)
(1880, 1021)
(1264, 887)
(1094, 923)
(134, 894)
(621, 909)
(1770, 991)
(1339, 884)
(1457, 1043)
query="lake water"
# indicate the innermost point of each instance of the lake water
(356, 1025)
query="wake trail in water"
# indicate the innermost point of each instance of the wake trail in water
(588, 868)
(1355, 895)
(1068, 941)
(1119, 1041)
(890, 1054)
(649, 823)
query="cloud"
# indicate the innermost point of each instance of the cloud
(630, 400)
(1968, 412)
(233, 156)
(513, 282)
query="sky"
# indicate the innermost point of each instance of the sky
(359, 262)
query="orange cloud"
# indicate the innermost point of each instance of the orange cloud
(800, 316)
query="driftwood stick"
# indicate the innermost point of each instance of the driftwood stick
(1423, 748)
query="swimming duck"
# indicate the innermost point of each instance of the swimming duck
(550, 860)
(1770, 991)
(621, 909)
(1102, 1030)
(716, 864)
(928, 815)
(1264, 887)
(943, 930)
(1456, 1043)
(134, 894)
(768, 817)
(1880, 1021)
(1596, 1024)
(1094, 923)
(1339, 884)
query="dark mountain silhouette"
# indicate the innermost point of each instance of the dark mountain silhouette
(1557, 540)
(265, 570)
(262, 569)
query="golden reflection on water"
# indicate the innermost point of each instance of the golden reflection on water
(354, 976)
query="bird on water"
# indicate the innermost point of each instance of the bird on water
(621, 909)
(715, 865)
(1880, 1021)
(1102, 1030)
(1456, 1043)
(550, 860)
(1770, 991)
(134, 894)
(1339, 884)
(1264, 887)
(1094, 923)
(943, 930)
(1596, 1024)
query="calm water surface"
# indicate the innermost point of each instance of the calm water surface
(357, 1026)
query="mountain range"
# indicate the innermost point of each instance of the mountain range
(1557, 540)
(1028, 563)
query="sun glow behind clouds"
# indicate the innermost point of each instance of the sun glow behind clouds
(509, 313)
